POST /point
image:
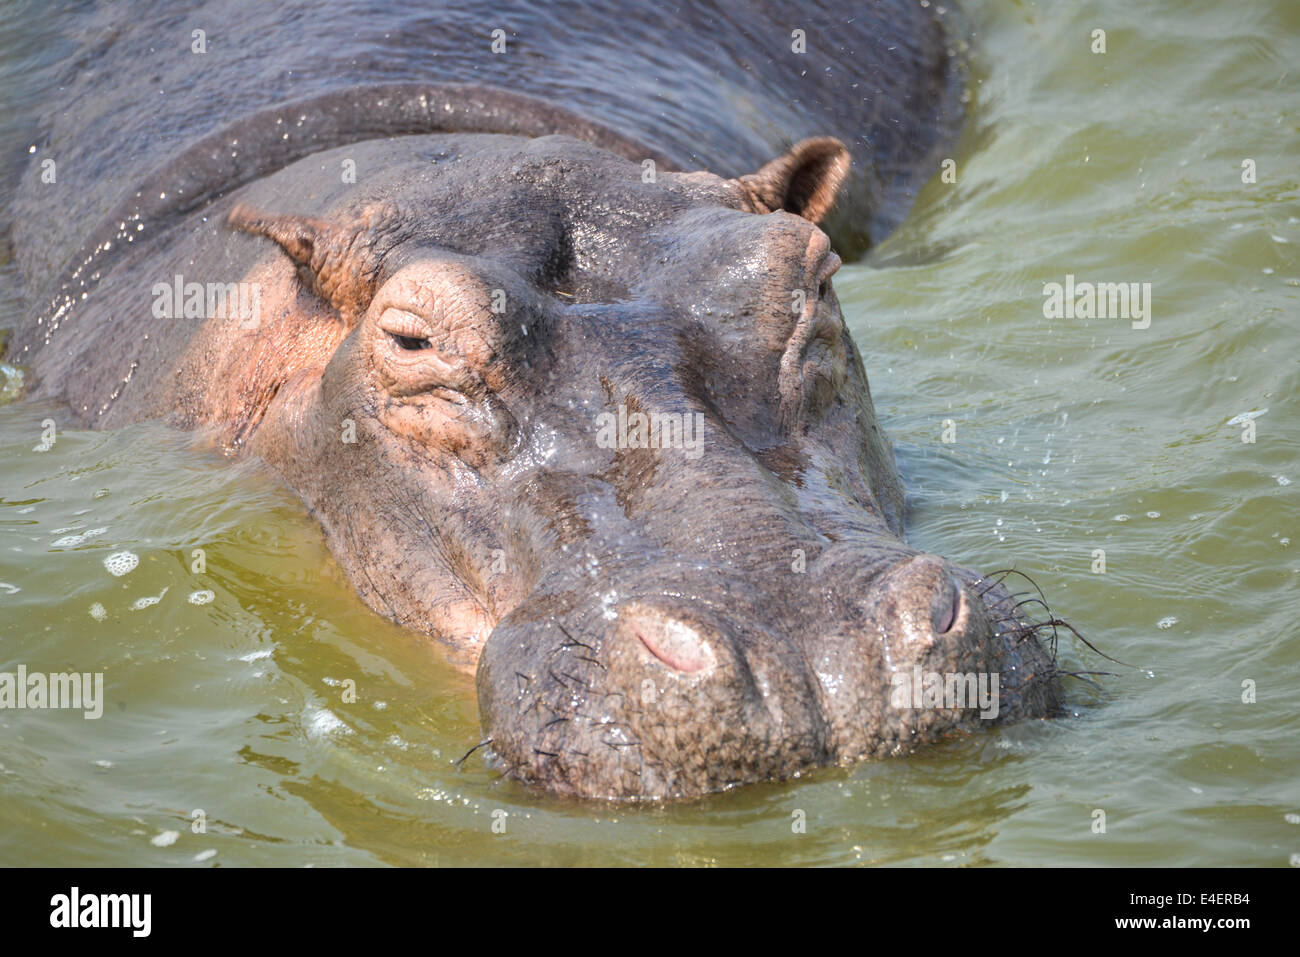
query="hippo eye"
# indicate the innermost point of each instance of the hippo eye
(405, 330)
(410, 343)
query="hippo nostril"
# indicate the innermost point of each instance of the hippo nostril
(678, 645)
(945, 606)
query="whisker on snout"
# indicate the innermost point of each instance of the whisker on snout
(484, 743)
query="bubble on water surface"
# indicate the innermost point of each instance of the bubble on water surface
(148, 601)
(71, 541)
(97, 612)
(201, 597)
(207, 855)
(1167, 622)
(165, 839)
(121, 563)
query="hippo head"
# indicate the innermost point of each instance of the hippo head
(602, 430)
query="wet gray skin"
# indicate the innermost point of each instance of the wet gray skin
(438, 352)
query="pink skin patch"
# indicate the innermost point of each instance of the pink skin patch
(673, 642)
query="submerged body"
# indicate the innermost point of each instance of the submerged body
(594, 423)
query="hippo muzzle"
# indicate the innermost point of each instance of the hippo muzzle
(686, 680)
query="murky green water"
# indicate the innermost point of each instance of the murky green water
(1071, 435)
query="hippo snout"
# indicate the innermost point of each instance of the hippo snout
(741, 678)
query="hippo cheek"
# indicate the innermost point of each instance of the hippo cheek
(478, 433)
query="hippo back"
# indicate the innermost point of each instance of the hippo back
(718, 86)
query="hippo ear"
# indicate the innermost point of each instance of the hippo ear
(804, 181)
(340, 262)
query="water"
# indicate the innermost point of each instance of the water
(1071, 435)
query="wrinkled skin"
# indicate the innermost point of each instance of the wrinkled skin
(435, 349)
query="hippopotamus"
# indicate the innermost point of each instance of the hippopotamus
(535, 312)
